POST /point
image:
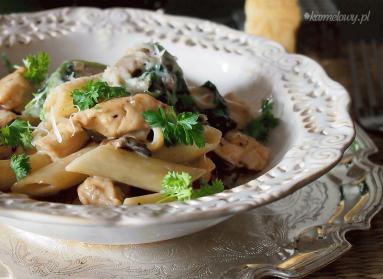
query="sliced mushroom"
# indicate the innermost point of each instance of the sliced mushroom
(131, 143)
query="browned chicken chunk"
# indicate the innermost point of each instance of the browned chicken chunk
(99, 191)
(6, 117)
(243, 151)
(15, 91)
(238, 110)
(117, 117)
(71, 139)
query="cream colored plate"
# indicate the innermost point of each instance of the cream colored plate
(289, 238)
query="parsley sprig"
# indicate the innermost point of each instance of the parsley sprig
(178, 185)
(260, 127)
(95, 92)
(36, 67)
(182, 128)
(18, 133)
(207, 189)
(21, 165)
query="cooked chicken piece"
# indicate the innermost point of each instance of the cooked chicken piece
(243, 151)
(99, 191)
(69, 138)
(238, 110)
(117, 117)
(129, 67)
(6, 117)
(59, 102)
(15, 91)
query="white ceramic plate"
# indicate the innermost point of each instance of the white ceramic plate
(315, 128)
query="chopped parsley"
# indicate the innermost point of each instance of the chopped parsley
(21, 165)
(36, 67)
(65, 72)
(95, 92)
(182, 128)
(208, 189)
(260, 127)
(178, 185)
(18, 133)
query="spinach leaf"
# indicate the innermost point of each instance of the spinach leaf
(218, 116)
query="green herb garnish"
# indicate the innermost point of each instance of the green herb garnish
(182, 128)
(95, 92)
(65, 72)
(178, 185)
(7, 63)
(20, 164)
(36, 67)
(208, 189)
(260, 127)
(17, 133)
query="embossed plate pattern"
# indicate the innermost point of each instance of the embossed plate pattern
(289, 238)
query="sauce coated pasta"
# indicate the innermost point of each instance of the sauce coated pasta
(125, 134)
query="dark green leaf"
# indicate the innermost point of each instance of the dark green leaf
(208, 189)
(7, 63)
(261, 126)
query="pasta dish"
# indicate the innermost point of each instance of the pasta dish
(127, 134)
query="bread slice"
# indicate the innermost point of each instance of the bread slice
(277, 20)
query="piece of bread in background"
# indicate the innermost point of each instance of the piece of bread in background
(277, 20)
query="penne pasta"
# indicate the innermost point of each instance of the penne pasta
(52, 178)
(7, 176)
(206, 163)
(128, 167)
(185, 153)
(158, 140)
(144, 199)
